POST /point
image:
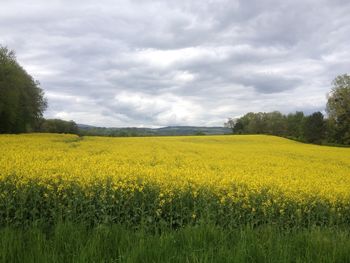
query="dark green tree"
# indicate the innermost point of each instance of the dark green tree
(275, 123)
(238, 128)
(259, 123)
(58, 126)
(231, 122)
(314, 128)
(294, 123)
(338, 109)
(22, 100)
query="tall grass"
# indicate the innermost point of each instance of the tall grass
(204, 243)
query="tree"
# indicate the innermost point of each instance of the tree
(238, 127)
(294, 122)
(314, 128)
(250, 123)
(22, 101)
(230, 124)
(259, 123)
(338, 109)
(275, 123)
(58, 126)
(256, 123)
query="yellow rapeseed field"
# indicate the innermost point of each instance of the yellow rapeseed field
(255, 175)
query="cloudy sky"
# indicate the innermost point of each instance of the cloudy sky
(158, 63)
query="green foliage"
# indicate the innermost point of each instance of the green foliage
(294, 122)
(58, 126)
(140, 132)
(314, 128)
(203, 243)
(21, 99)
(199, 133)
(110, 201)
(274, 123)
(294, 125)
(231, 123)
(338, 108)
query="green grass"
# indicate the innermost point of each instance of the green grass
(205, 243)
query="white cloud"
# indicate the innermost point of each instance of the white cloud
(156, 63)
(184, 76)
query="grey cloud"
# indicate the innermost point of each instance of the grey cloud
(154, 63)
(269, 83)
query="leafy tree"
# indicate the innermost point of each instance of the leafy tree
(238, 127)
(22, 101)
(314, 128)
(231, 122)
(275, 123)
(256, 123)
(294, 123)
(249, 123)
(338, 109)
(259, 123)
(58, 126)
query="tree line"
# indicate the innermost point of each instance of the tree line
(57, 126)
(313, 128)
(22, 104)
(22, 101)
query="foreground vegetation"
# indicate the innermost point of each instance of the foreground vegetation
(205, 243)
(172, 181)
(65, 198)
(243, 198)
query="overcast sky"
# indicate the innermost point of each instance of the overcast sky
(158, 63)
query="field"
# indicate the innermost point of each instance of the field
(175, 181)
(162, 184)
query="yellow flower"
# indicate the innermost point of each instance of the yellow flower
(234, 170)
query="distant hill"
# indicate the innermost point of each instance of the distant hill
(164, 131)
(192, 130)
